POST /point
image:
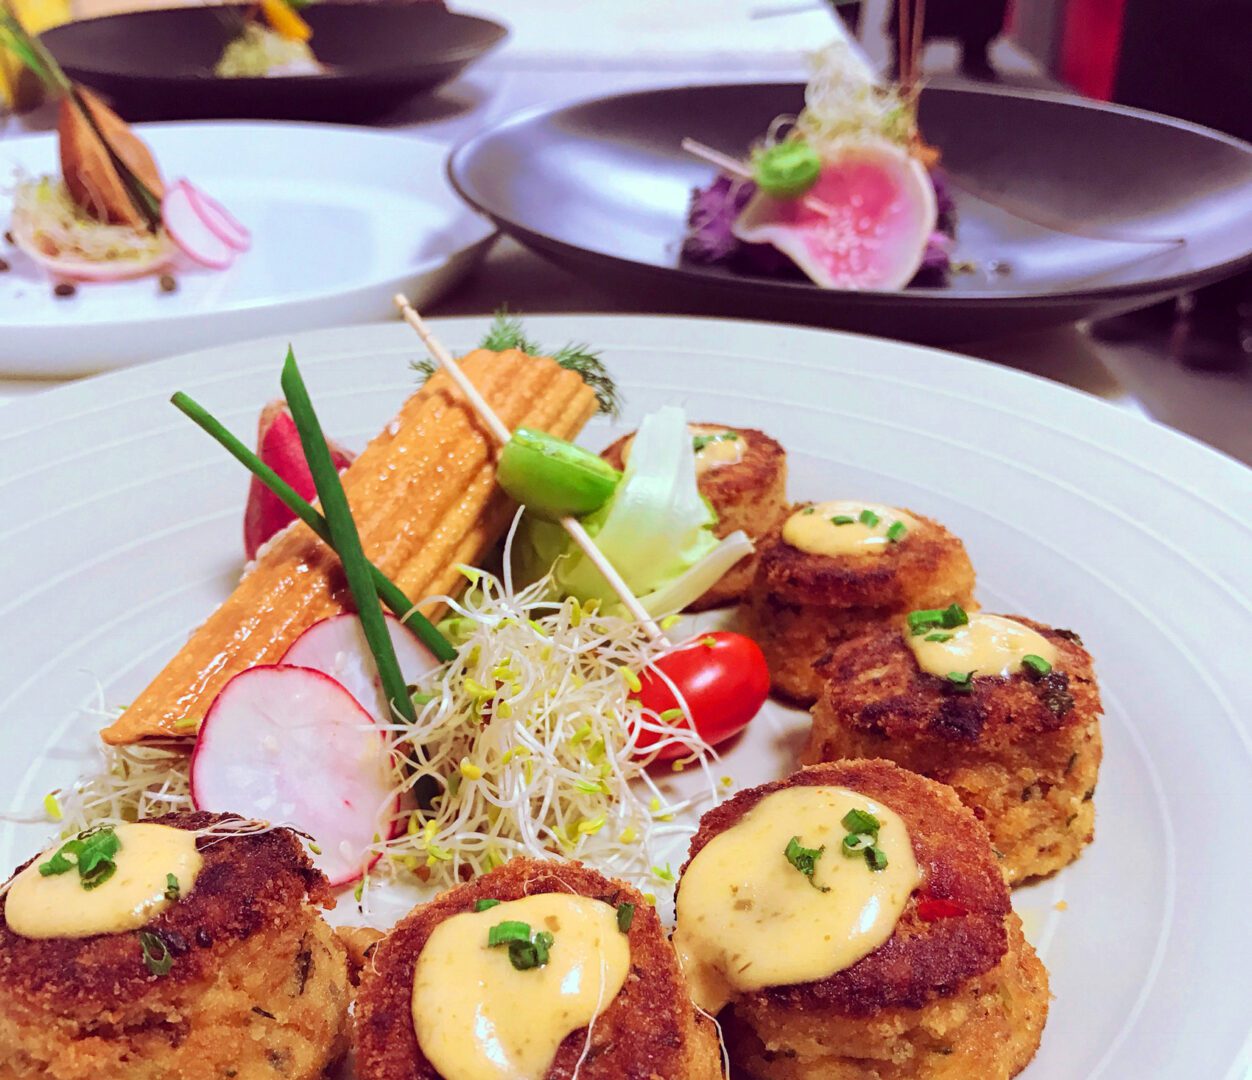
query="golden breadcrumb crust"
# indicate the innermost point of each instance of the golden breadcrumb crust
(750, 495)
(1022, 752)
(651, 1030)
(258, 985)
(964, 986)
(801, 605)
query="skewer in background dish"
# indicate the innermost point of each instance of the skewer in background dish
(833, 570)
(1021, 749)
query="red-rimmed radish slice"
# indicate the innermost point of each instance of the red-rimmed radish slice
(78, 269)
(227, 227)
(877, 210)
(191, 232)
(291, 746)
(337, 647)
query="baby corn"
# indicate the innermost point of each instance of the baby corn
(424, 497)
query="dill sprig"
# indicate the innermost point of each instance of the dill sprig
(506, 332)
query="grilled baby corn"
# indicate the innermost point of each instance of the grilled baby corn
(424, 497)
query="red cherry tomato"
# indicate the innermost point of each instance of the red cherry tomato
(931, 908)
(724, 679)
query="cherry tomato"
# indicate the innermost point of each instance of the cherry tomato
(722, 676)
(931, 908)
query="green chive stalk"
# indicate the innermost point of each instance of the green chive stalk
(388, 591)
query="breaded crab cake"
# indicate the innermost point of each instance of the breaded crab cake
(832, 570)
(743, 474)
(851, 923)
(1019, 739)
(198, 954)
(546, 965)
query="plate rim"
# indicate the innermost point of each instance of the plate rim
(1175, 283)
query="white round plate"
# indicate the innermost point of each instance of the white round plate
(121, 530)
(341, 219)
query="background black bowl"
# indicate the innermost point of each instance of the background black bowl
(158, 65)
(602, 187)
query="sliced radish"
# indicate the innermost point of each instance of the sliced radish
(337, 647)
(227, 227)
(191, 232)
(291, 746)
(80, 269)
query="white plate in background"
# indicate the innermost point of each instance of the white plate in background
(120, 529)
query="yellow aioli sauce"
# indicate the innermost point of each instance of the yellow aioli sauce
(988, 645)
(477, 1017)
(748, 919)
(814, 528)
(714, 454)
(57, 906)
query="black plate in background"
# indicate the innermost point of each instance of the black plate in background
(157, 65)
(602, 187)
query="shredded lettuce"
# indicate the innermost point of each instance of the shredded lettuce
(657, 529)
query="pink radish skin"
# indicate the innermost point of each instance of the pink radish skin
(220, 220)
(882, 211)
(191, 232)
(337, 647)
(291, 746)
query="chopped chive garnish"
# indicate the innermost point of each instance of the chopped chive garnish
(625, 917)
(896, 533)
(172, 889)
(1037, 664)
(510, 930)
(923, 620)
(156, 954)
(92, 853)
(525, 951)
(860, 821)
(876, 858)
(961, 682)
(809, 510)
(699, 442)
(938, 636)
(391, 593)
(842, 519)
(954, 615)
(862, 838)
(805, 860)
(868, 517)
(485, 904)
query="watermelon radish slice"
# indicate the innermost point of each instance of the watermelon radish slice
(880, 211)
(190, 231)
(291, 746)
(337, 647)
(278, 445)
(218, 218)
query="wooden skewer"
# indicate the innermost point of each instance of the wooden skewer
(502, 435)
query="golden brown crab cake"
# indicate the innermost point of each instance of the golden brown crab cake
(821, 967)
(743, 474)
(833, 570)
(208, 958)
(1019, 741)
(437, 997)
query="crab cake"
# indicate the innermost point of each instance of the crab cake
(546, 965)
(172, 949)
(743, 474)
(1019, 738)
(832, 570)
(851, 923)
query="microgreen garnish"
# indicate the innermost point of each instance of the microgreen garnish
(172, 889)
(506, 333)
(485, 904)
(805, 860)
(862, 838)
(156, 954)
(896, 532)
(842, 519)
(92, 853)
(929, 618)
(868, 517)
(525, 951)
(1036, 664)
(962, 682)
(390, 593)
(625, 917)
(699, 442)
